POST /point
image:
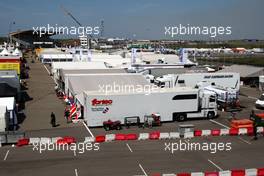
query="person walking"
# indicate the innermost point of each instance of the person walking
(255, 124)
(53, 119)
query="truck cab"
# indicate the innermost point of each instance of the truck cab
(165, 81)
(208, 103)
(206, 107)
(208, 100)
(260, 102)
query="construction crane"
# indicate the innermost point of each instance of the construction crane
(68, 13)
(76, 21)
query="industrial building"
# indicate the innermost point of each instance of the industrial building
(249, 75)
(32, 39)
(64, 74)
(75, 85)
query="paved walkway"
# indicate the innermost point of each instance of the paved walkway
(38, 110)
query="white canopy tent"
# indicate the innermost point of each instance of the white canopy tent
(5, 52)
(9, 103)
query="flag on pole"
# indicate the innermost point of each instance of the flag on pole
(133, 55)
(89, 56)
(183, 55)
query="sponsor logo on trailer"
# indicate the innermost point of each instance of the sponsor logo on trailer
(98, 105)
(96, 102)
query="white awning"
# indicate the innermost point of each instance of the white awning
(8, 102)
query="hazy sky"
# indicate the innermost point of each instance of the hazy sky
(144, 18)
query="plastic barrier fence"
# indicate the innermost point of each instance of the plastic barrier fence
(235, 172)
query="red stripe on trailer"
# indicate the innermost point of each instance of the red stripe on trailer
(10, 60)
(73, 110)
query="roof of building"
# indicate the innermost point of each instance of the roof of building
(33, 32)
(77, 72)
(5, 52)
(77, 65)
(244, 70)
(178, 90)
(157, 72)
(100, 82)
(56, 56)
(7, 91)
(10, 78)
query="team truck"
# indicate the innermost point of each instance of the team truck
(171, 104)
(225, 80)
(8, 134)
(226, 97)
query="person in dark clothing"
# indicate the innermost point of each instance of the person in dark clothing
(255, 124)
(53, 120)
(252, 114)
(67, 115)
(255, 131)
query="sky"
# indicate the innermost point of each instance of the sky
(141, 19)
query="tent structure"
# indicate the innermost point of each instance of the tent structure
(17, 52)
(245, 71)
(78, 84)
(5, 52)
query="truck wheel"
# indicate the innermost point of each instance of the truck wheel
(119, 127)
(107, 128)
(174, 117)
(181, 117)
(210, 115)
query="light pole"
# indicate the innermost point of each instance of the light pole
(9, 30)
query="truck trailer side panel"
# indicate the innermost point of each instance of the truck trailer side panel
(100, 108)
(227, 80)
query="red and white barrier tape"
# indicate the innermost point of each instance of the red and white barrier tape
(236, 172)
(156, 135)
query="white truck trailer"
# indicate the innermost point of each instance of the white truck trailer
(225, 80)
(8, 121)
(225, 97)
(3, 119)
(172, 104)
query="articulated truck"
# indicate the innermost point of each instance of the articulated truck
(225, 80)
(171, 104)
